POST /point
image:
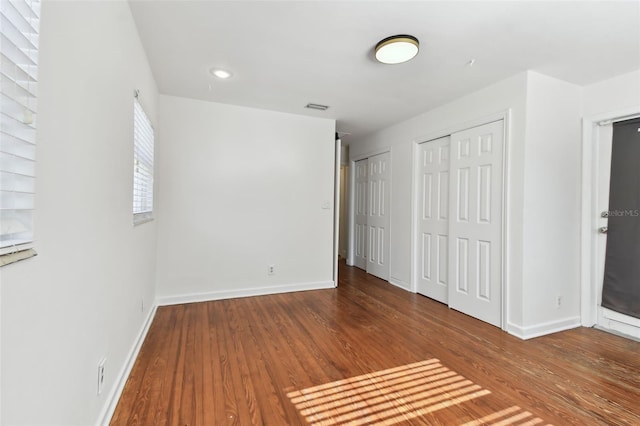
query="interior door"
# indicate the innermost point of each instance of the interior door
(621, 292)
(607, 217)
(361, 213)
(378, 217)
(433, 218)
(475, 226)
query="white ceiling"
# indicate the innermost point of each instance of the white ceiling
(285, 54)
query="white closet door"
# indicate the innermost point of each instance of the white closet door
(475, 228)
(378, 218)
(361, 213)
(433, 219)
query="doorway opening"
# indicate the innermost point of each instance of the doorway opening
(598, 218)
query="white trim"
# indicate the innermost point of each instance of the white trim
(617, 323)
(588, 275)
(413, 261)
(246, 292)
(448, 131)
(336, 209)
(505, 116)
(390, 215)
(17, 248)
(506, 247)
(371, 154)
(537, 330)
(619, 119)
(588, 299)
(116, 391)
(351, 215)
(617, 316)
(400, 283)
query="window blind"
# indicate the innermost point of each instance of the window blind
(19, 25)
(143, 142)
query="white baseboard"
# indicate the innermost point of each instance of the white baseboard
(116, 391)
(537, 330)
(245, 292)
(400, 283)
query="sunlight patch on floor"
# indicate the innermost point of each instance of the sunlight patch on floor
(386, 397)
(509, 416)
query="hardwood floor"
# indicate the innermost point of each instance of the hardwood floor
(370, 353)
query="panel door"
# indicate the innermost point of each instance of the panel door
(361, 213)
(378, 217)
(475, 226)
(433, 219)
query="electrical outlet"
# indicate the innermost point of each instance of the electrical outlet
(101, 366)
(271, 270)
(558, 302)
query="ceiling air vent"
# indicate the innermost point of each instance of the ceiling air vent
(317, 106)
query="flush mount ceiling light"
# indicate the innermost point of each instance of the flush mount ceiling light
(397, 49)
(220, 73)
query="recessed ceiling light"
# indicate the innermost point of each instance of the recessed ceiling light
(397, 49)
(220, 73)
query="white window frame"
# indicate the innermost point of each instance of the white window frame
(143, 159)
(19, 32)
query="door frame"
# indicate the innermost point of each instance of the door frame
(589, 223)
(336, 209)
(505, 116)
(351, 219)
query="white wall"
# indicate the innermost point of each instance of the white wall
(551, 206)
(609, 96)
(242, 189)
(80, 299)
(543, 192)
(509, 94)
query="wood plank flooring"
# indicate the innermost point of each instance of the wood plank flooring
(369, 353)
